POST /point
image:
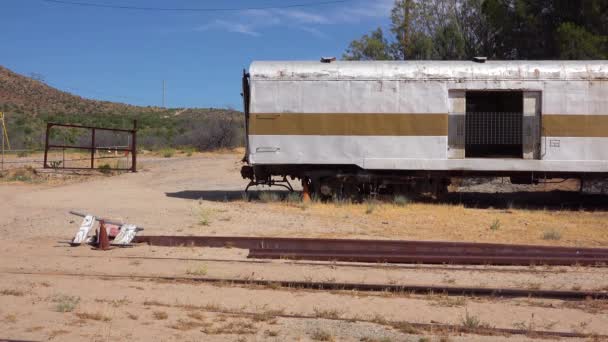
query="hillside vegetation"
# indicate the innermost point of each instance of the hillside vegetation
(29, 104)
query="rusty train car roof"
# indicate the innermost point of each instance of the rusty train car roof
(430, 70)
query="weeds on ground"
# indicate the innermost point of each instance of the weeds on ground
(370, 206)
(188, 151)
(106, 169)
(268, 315)
(196, 315)
(552, 234)
(235, 328)
(66, 303)
(167, 152)
(472, 322)
(200, 271)
(92, 316)
(12, 292)
(495, 225)
(322, 335)
(160, 315)
(182, 324)
(269, 197)
(448, 301)
(376, 339)
(114, 302)
(132, 316)
(331, 314)
(271, 333)
(204, 217)
(400, 200)
(293, 197)
(10, 318)
(405, 327)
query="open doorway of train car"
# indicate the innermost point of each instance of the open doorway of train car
(494, 124)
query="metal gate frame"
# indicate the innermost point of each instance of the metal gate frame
(92, 148)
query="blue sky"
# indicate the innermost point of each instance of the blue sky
(123, 55)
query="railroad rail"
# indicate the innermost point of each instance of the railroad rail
(430, 327)
(348, 286)
(333, 264)
(392, 251)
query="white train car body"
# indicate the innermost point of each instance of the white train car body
(499, 117)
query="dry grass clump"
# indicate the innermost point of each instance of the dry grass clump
(330, 314)
(184, 325)
(271, 333)
(93, 316)
(204, 216)
(472, 322)
(400, 200)
(552, 234)
(376, 339)
(160, 315)
(196, 315)
(200, 271)
(448, 301)
(66, 303)
(322, 335)
(267, 316)
(405, 327)
(12, 292)
(233, 328)
(593, 306)
(10, 318)
(58, 332)
(269, 197)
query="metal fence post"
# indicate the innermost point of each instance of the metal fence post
(93, 149)
(46, 144)
(134, 147)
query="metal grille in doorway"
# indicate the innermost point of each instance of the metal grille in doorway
(493, 128)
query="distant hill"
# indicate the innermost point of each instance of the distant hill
(30, 103)
(23, 94)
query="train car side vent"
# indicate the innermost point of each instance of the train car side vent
(328, 59)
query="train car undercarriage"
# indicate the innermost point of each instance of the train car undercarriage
(351, 182)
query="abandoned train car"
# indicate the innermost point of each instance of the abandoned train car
(364, 126)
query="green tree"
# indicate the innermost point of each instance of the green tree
(574, 42)
(369, 47)
(498, 29)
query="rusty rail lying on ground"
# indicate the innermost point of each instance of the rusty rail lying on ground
(392, 251)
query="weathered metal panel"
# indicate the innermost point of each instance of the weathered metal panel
(456, 124)
(531, 124)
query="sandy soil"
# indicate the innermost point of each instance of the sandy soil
(203, 195)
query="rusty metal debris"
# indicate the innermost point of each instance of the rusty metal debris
(103, 243)
(121, 234)
(393, 251)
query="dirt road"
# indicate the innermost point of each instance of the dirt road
(50, 291)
